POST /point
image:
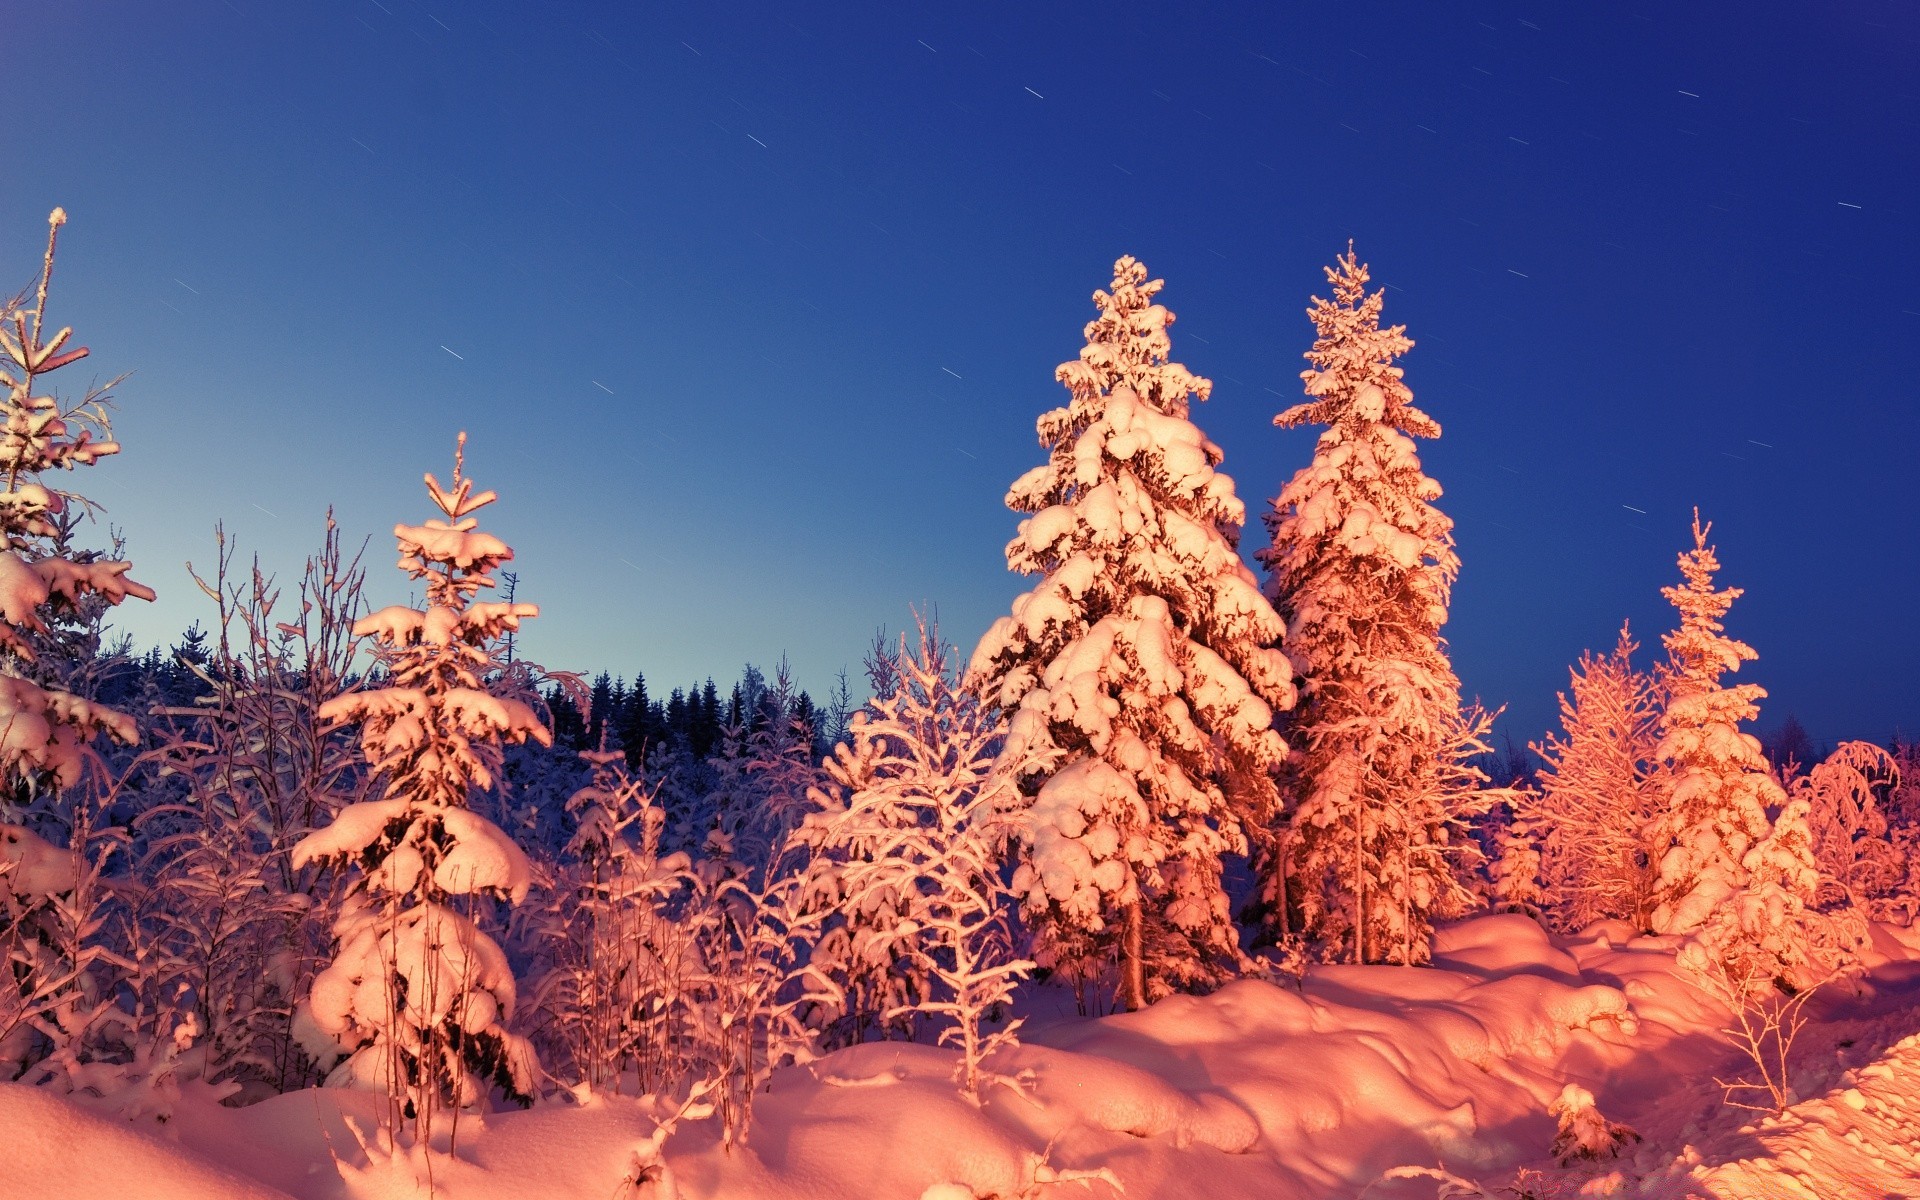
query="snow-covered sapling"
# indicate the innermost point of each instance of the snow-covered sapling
(49, 917)
(624, 965)
(418, 996)
(1599, 792)
(909, 846)
(44, 730)
(1583, 1132)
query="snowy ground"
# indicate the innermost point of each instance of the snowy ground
(1254, 1091)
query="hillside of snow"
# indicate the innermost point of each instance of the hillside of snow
(1255, 1090)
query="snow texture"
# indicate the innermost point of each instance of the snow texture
(1256, 1090)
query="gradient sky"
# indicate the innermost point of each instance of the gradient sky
(754, 305)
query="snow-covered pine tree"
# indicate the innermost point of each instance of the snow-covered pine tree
(418, 996)
(1146, 658)
(51, 899)
(43, 728)
(1601, 786)
(1515, 869)
(1720, 789)
(1361, 566)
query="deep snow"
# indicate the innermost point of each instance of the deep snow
(1258, 1090)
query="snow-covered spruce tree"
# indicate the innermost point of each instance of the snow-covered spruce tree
(50, 898)
(1601, 786)
(1361, 566)
(1145, 666)
(905, 878)
(418, 996)
(44, 729)
(1515, 869)
(1720, 788)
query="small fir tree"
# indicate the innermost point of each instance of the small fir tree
(1145, 665)
(418, 996)
(1600, 788)
(1361, 566)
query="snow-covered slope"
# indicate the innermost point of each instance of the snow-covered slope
(1257, 1090)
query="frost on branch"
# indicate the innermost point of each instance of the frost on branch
(1146, 664)
(1362, 565)
(905, 878)
(418, 996)
(1600, 789)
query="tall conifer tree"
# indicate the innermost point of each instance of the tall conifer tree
(1144, 665)
(1721, 789)
(1362, 565)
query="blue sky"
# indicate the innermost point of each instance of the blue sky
(754, 306)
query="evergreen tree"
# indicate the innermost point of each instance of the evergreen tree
(1720, 790)
(1145, 663)
(636, 730)
(704, 733)
(52, 900)
(418, 996)
(1362, 565)
(45, 728)
(598, 707)
(1599, 791)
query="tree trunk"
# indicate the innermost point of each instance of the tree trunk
(1133, 967)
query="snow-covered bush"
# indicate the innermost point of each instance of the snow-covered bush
(62, 929)
(624, 968)
(1766, 950)
(1599, 791)
(1903, 802)
(1361, 566)
(909, 839)
(1145, 665)
(228, 929)
(417, 996)
(1859, 863)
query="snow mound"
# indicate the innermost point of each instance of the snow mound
(59, 1151)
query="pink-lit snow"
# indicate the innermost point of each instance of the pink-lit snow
(1257, 1090)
